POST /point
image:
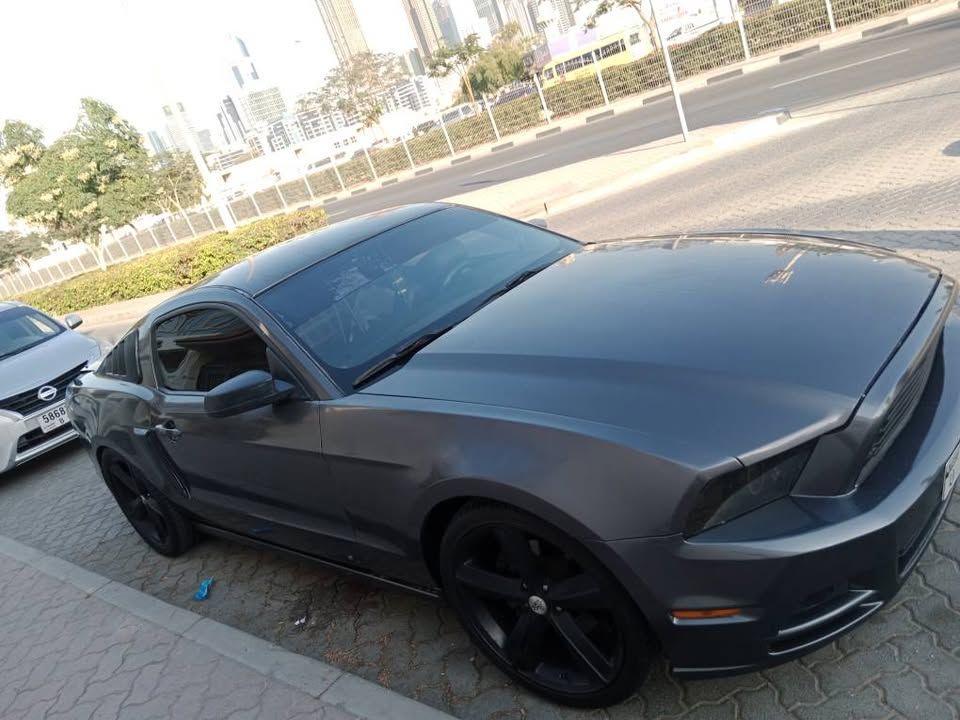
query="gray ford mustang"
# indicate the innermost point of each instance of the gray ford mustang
(734, 448)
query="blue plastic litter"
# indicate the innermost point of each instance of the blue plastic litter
(204, 590)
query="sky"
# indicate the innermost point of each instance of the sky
(139, 55)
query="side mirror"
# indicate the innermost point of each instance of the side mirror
(539, 222)
(246, 391)
(73, 321)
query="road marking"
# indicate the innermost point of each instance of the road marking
(515, 162)
(339, 212)
(838, 69)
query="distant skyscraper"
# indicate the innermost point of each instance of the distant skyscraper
(424, 26)
(156, 142)
(343, 28)
(179, 127)
(490, 11)
(243, 70)
(448, 26)
(263, 107)
(468, 22)
(561, 13)
(516, 11)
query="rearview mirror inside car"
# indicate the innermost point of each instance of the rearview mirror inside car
(246, 391)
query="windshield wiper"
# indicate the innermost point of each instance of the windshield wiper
(400, 356)
(512, 283)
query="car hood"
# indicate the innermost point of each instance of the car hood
(44, 362)
(722, 344)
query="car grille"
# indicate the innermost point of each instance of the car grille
(38, 437)
(27, 403)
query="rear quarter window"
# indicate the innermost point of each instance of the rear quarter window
(122, 362)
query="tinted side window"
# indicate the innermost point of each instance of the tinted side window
(199, 349)
(122, 362)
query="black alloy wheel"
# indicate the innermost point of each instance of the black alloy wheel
(160, 524)
(542, 608)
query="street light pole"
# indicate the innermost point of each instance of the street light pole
(670, 75)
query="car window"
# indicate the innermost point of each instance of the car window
(354, 308)
(122, 362)
(23, 327)
(199, 349)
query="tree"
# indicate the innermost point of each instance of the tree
(178, 181)
(501, 64)
(21, 147)
(96, 175)
(457, 59)
(358, 87)
(16, 248)
(643, 7)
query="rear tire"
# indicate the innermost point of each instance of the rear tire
(543, 609)
(156, 519)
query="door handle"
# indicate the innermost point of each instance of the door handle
(168, 429)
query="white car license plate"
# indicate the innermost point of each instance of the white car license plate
(53, 418)
(950, 472)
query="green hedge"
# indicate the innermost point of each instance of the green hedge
(173, 267)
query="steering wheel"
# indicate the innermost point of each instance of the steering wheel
(464, 268)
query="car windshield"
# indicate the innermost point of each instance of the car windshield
(22, 328)
(359, 306)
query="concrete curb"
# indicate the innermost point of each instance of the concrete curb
(326, 683)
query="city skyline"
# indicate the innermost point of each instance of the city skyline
(186, 54)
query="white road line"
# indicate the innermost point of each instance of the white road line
(515, 162)
(838, 69)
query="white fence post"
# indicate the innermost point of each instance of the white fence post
(206, 210)
(156, 242)
(496, 130)
(406, 149)
(370, 163)
(256, 205)
(283, 200)
(443, 126)
(833, 23)
(738, 14)
(113, 237)
(336, 171)
(306, 181)
(166, 222)
(603, 85)
(186, 217)
(543, 100)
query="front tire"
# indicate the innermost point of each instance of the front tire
(543, 608)
(156, 520)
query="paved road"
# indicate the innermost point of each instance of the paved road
(889, 171)
(894, 57)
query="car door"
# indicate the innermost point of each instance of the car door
(260, 472)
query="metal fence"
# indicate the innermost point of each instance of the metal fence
(755, 27)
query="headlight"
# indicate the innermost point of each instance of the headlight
(737, 493)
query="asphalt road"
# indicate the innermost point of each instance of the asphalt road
(898, 56)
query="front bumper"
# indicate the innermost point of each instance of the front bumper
(21, 439)
(804, 570)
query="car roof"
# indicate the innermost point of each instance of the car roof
(8, 305)
(269, 267)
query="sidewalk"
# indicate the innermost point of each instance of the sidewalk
(74, 644)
